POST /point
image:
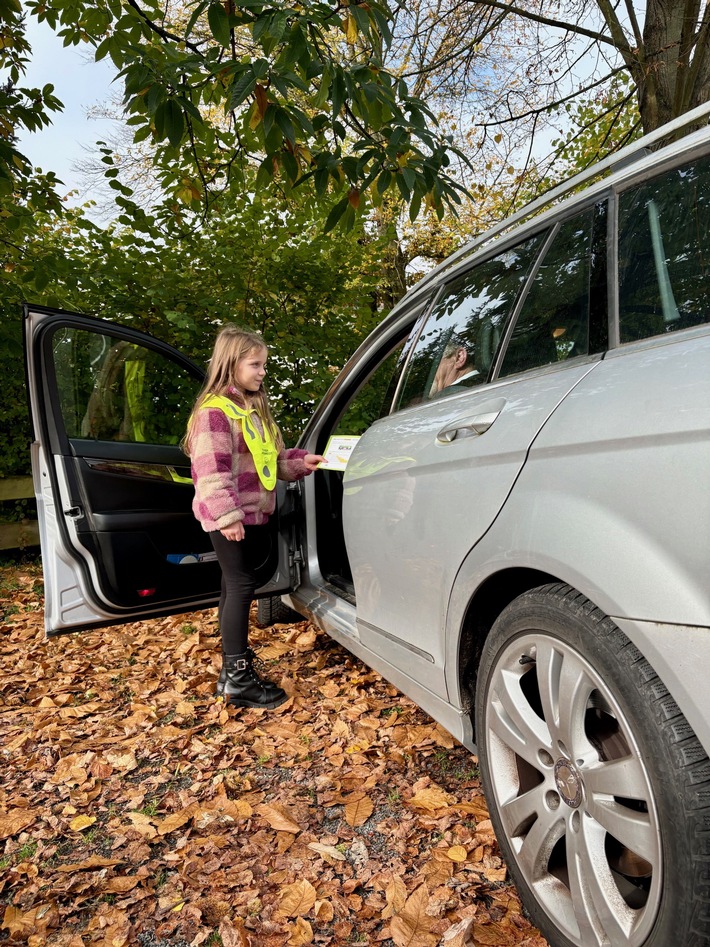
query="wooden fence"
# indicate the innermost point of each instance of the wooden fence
(25, 533)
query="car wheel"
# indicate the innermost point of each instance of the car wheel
(596, 784)
(272, 611)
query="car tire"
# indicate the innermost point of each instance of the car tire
(273, 611)
(597, 786)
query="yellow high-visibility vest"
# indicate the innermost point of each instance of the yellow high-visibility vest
(261, 445)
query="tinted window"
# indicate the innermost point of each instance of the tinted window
(553, 323)
(664, 253)
(461, 336)
(374, 398)
(114, 390)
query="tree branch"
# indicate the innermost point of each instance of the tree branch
(547, 21)
(162, 33)
(536, 112)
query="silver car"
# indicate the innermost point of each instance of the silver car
(519, 540)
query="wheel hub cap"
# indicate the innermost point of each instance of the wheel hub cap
(568, 783)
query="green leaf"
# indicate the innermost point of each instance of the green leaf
(243, 86)
(219, 24)
(321, 178)
(335, 214)
(169, 122)
(290, 165)
(286, 125)
(196, 14)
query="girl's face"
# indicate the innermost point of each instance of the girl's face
(251, 370)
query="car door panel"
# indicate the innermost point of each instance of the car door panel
(113, 486)
(412, 516)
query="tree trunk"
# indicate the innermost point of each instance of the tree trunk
(674, 62)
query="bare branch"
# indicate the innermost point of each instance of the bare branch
(547, 21)
(163, 33)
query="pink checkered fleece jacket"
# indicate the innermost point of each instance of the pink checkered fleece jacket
(227, 486)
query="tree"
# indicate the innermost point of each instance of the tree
(300, 89)
(21, 108)
(259, 260)
(543, 55)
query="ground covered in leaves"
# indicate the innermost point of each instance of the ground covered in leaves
(135, 808)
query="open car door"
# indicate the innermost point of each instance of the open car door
(109, 407)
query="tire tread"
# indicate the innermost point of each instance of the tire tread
(687, 753)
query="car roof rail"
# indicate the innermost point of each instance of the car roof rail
(614, 162)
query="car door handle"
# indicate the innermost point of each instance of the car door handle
(467, 427)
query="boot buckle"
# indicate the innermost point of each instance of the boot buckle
(241, 665)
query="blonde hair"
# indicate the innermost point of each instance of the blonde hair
(231, 346)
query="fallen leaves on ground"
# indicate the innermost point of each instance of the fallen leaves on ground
(135, 808)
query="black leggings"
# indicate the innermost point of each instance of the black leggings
(245, 565)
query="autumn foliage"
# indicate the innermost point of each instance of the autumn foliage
(135, 808)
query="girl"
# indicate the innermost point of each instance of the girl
(237, 454)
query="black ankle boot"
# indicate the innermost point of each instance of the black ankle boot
(243, 687)
(221, 680)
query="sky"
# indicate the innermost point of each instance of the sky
(79, 83)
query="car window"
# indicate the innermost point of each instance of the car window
(458, 343)
(373, 400)
(553, 323)
(111, 389)
(664, 253)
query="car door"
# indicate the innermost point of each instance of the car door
(109, 406)
(502, 347)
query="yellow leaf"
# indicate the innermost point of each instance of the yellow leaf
(81, 822)
(396, 895)
(327, 851)
(15, 821)
(358, 811)
(306, 640)
(176, 820)
(297, 899)
(323, 911)
(95, 861)
(477, 807)
(23, 924)
(412, 927)
(457, 853)
(255, 117)
(122, 761)
(120, 885)
(350, 29)
(431, 799)
(300, 933)
(279, 818)
(460, 935)
(438, 869)
(492, 935)
(233, 935)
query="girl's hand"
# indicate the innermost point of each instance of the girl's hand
(234, 531)
(312, 461)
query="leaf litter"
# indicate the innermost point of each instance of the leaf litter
(135, 808)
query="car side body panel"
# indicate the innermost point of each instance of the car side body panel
(406, 536)
(579, 494)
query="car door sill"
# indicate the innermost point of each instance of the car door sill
(340, 587)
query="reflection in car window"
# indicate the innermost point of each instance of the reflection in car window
(374, 398)
(553, 323)
(664, 253)
(114, 390)
(461, 336)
